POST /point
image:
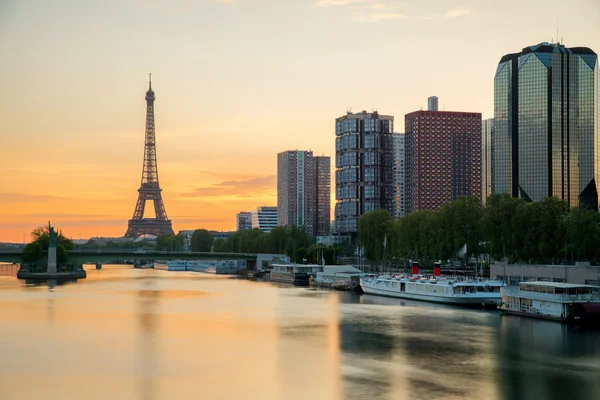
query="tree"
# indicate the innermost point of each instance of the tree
(61, 253)
(500, 226)
(300, 255)
(170, 243)
(42, 236)
(373, 228)
(583, 233)
(202, 241)
(40, 243)
(32, 252)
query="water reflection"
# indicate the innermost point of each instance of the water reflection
(147, 358)
(51, 283)
(125, 333)
(308, 345)
(544, 359)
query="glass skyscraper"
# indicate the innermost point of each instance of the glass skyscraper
(364, 167)
(546, 124)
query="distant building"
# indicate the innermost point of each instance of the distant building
(546, 124)
(364, 165)
(332, 240)
(243, 221)
(399, 176)
(443, 158)
(432, 103)
(218, 235)
(103, 241)
(264, 218)
(582, 273)
(304, 191)
(487, 158)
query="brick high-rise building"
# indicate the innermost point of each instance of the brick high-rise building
(443, 158)
(364, 167)
(304, 191)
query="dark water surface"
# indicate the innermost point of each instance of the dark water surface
(150, 334)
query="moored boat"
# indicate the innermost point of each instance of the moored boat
(293, 274)
(565, 302)
(457, 291)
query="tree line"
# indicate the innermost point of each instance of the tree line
(40, 241)
(292, 241)
(548, 231)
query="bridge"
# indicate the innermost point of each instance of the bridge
(107, 256)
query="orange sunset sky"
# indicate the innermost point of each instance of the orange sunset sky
(236, 82)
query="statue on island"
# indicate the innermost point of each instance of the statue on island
(52, 236)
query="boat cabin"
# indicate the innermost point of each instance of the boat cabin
(340, 274)
(568, 289)
(308, 269)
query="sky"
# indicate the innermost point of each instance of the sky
(236, 82)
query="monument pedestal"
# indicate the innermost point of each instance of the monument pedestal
(51, 260)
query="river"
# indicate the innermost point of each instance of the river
(126, 333)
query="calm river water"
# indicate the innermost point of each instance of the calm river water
(150, 334)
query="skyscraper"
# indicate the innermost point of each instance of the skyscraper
(399, 169)
(243, 221)
(487, 158)
(547, 116)
(264, 218)
(443, 158)
(304, 191)
(364, 167)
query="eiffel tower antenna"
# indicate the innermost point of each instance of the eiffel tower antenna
(149, 186)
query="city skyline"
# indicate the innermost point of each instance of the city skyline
(72, 113)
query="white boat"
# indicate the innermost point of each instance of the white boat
(459, 291)
(211, 267)
(566, 302)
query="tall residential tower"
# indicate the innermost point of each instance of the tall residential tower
(487, 158)
(547, 117)
(443, 158)
(364, 162)
(304, 191)
(399, 176)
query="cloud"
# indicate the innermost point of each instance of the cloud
(242, 188)
(66, 216)
(459, 12)
(198, 220)
(333, 3)
(379, 16)
(24, 197)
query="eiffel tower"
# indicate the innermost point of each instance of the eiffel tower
(150, 188)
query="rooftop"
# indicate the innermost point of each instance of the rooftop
(556, 284)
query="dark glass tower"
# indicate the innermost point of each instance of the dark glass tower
(547, 117)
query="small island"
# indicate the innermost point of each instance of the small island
(46, 257)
